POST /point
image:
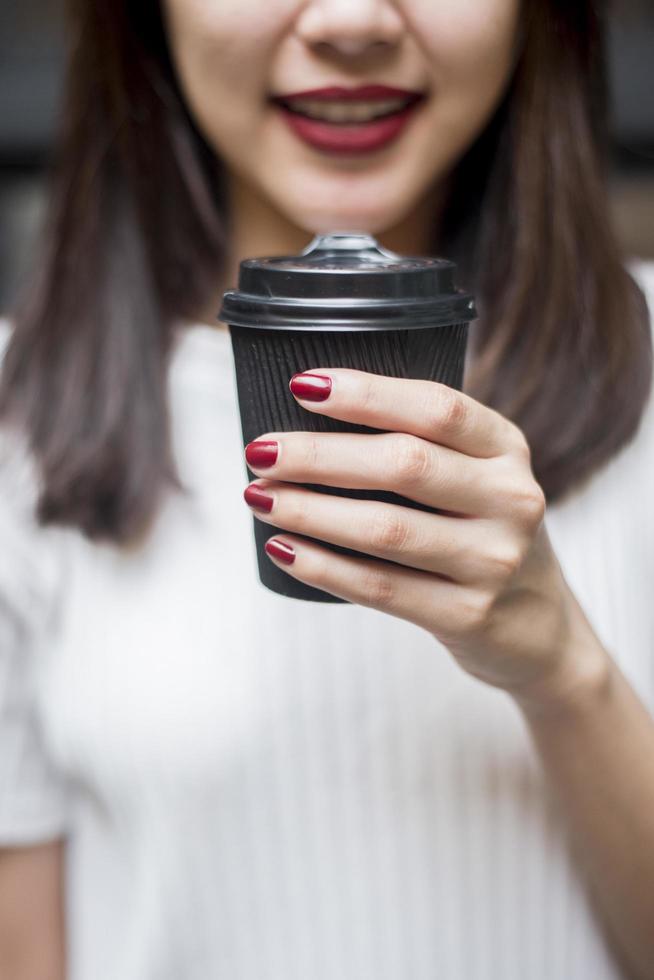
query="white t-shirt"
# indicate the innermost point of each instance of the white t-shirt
(256, 788)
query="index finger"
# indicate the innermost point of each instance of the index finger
(427, 409)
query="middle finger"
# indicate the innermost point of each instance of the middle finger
(423, 471)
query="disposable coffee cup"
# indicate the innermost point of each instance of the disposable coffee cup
(342, 302)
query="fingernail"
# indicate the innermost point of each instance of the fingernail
(261, 454)
(277, 549)
(311, 387)
(255, 497)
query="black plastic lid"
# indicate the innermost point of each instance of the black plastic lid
(346, 281)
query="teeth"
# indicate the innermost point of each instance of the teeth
(344, 112)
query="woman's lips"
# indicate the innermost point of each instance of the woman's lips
(360, 93)
(349, 138)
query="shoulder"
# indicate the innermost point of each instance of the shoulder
(24, 564)
(5, 334)
(17, 479)
(626, 481)
(643, 272)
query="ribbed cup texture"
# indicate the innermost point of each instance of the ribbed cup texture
(265, 360)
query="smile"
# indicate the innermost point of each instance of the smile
(346, 112)
(348, 124)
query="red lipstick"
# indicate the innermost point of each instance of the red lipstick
(349, 137)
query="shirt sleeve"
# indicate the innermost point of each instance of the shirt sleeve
(33, 797)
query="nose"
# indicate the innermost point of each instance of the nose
(350, 26)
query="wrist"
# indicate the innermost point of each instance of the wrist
(581, 677)
(571, 691)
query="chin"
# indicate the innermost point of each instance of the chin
(343, 222)
(373, 220)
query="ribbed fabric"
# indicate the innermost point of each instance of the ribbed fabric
(257, 788)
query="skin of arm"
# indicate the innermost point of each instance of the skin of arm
(596, 744)
(32, 944)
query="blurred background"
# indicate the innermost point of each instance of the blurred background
(32, 46)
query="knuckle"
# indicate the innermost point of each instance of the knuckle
(377, 587)
(505, 560)
(521, 496)
(367, 398)
(476, 611)
(311, 453)
(297, 510)
(519, 441)
(388, 531)
(411, 460)
(451, 412)
(320, 571)
(529, 503)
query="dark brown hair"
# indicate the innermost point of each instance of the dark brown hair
(134, 239)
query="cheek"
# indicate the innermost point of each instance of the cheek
(471, 46)
(222, 51)
(208, 24)
(468, 42)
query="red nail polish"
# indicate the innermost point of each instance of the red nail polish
(277, 549)
(261, 454)
(256, 497)
(311, 387)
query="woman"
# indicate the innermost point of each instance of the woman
(449, 776)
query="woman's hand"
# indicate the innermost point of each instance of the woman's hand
(481, 576)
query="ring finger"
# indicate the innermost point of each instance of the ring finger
(445, 546)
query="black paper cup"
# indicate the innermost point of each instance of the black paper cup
(265, 358)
